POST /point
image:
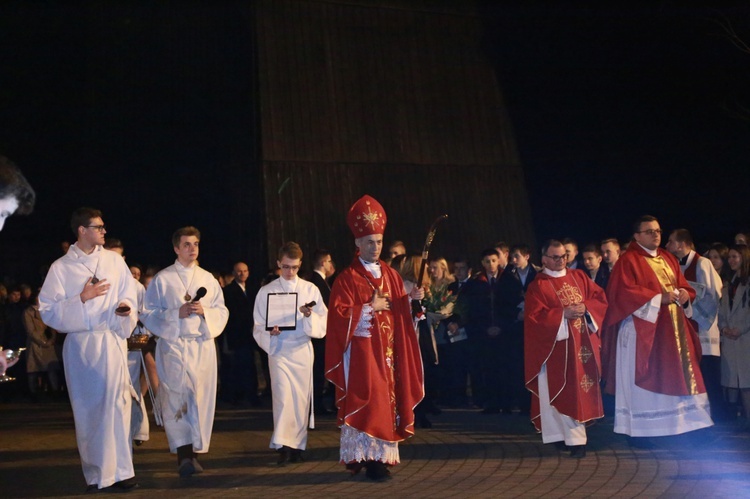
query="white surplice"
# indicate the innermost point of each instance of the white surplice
(185, 352)
(290, 360)
(139, 427)
(95, 356)
(707, 288)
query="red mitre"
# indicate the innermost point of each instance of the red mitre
(366, 217)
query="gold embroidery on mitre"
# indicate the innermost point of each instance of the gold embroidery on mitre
(585, 354)
(569, 295)
(586, 383)
(371, 218)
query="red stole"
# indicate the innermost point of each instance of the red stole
(385, 376)
(691, 270)
(573, 365)
(667, 361)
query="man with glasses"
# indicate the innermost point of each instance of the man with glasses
(651, 351)
(90, 295)
(185, 309)
(290, 351)
(563, 312)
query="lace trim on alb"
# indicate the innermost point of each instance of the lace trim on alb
(359, 446)
(365, 322)
(679, 411)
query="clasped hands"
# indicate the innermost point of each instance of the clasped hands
(731, 332)
(189, 308)
(574, 311)
(678, 296)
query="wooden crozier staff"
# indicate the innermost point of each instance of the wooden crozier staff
(416, 305)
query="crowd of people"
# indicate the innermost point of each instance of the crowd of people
(655, 335)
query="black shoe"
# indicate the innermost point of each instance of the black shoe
(92, 489)
(124, 486)
(355, 468)
(377, 471)
(578, 451)
(186, 467)
(295, 456)
(284, 456)
(560, 445)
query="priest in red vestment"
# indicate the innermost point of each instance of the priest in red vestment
(372, 354)
(651, 352)
(563, 311)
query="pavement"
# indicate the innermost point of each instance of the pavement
(464, 454)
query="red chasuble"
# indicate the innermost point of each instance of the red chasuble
(668, 352)
(573, 365)
(385, 369)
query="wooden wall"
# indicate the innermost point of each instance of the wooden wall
(392, 99)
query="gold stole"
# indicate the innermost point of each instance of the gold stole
(668, 284)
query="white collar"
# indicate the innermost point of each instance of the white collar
(290, 285)
(555, 273)
(182, 267)
(79, 252)
(690, 257)
(650, 252)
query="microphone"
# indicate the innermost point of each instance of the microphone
(200, 293)
(309, 305)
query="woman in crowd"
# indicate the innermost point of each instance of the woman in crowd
(718, 253)
(42, 357)
(436, 316)
(734, 324)
(408, 268)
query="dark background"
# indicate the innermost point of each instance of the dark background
(146, 110)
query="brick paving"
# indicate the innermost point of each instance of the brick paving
(465, 454)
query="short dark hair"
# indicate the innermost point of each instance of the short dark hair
(462, 259)
(551, 243)
(184, 231)
(502, 246)
(489, 252)
(569, 240)
(113, 242)
(641, 220)
(14, 184)
(683, 236)
(82, 216)
(291, 250)
(319, 255)
(610, 240)
(592, 248)
(522, 248)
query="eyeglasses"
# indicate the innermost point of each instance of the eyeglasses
(650, 232)
(557, 258)
(295, 268)
(100, 228)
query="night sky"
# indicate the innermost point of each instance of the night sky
(617, 112)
